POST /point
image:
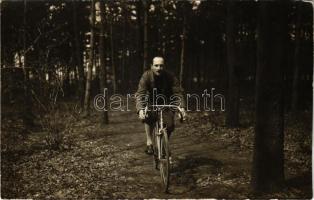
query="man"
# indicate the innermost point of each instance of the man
(157, 86)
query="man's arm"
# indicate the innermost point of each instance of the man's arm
(141, 94)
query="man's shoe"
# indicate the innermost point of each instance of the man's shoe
(170, 160)
(149, 150)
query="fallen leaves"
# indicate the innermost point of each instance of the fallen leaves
(90, 166)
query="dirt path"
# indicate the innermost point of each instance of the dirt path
(200, 168)
(109, 162)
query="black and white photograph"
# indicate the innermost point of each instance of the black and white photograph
(156, 99)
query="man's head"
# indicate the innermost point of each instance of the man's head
(158, 65)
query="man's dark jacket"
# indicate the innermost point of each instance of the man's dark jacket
(165, 84)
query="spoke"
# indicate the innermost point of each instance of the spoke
(164, 162)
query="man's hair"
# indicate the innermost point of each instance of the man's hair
(158, 57)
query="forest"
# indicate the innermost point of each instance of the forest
(57, 56)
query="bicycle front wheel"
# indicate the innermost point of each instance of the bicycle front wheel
(164, 160)
(155, 148)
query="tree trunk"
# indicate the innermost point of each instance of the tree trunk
(90, 62)
(66, 82)
(124, 47)
(140, 35)
(124, 79)
(163, 28)
(182, 51)
(28, 117)
(268, 156)
(232, 118)
(145, 41)
(102, 67)
(114, 77)
(78, 55)
(295, 83)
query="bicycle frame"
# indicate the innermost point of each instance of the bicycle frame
(159, 132)
(161, 144)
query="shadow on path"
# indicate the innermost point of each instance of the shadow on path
(185, 171)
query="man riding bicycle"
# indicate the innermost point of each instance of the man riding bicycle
(158, 86)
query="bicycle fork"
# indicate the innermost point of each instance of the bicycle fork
(159, 135)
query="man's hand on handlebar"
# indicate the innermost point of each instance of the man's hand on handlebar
(142, 114)
(182, 114)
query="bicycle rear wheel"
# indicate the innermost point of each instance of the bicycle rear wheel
(164, 163)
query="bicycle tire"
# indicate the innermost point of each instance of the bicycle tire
(155, 148)
(164, 164)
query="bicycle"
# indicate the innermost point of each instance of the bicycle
(161, 145)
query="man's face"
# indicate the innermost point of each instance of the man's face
(158, 65)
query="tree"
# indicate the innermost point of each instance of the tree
(28, 117)
(78, 55)
(114, 74)
(103, 71)
(268, 156)
(145, 39)
(91, 62)
(183, 38)
(124, 47)
(163, 29)
(232, 119)
(296, 74)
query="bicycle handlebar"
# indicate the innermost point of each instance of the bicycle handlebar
(160, 107)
